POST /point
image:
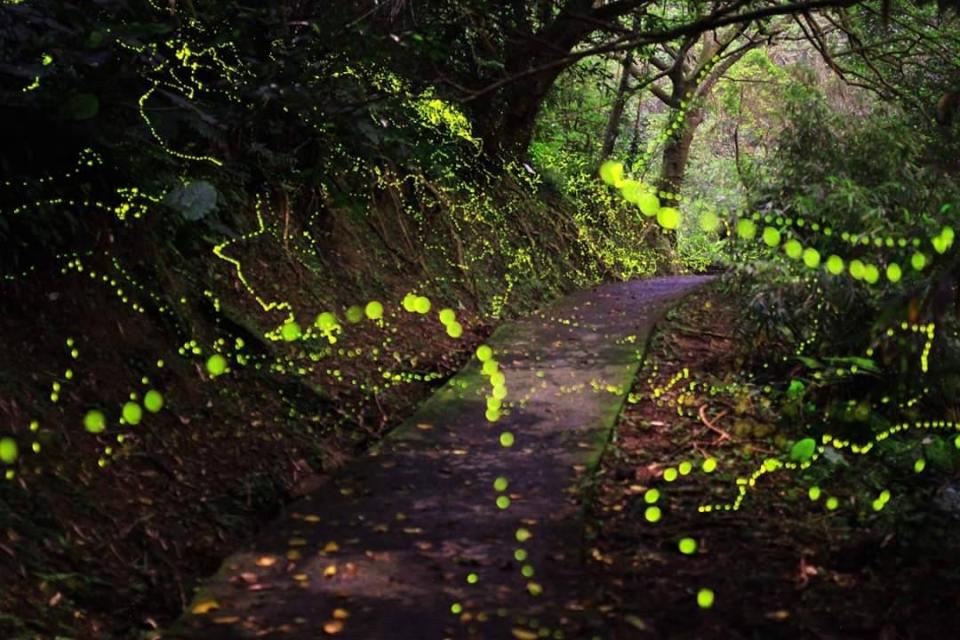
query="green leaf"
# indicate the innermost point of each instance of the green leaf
(194, 200)
(802, 450)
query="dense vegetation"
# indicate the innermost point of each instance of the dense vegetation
(240, 241)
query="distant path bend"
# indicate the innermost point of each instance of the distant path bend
(384, 550)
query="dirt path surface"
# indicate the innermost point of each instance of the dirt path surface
(410, 542)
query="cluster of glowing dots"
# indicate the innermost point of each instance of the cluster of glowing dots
(811, 452)
(490, 368)
(641, 195)
(771, 236)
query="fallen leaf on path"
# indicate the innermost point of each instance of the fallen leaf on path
(333, 627)
(523, 634)
(204, 606)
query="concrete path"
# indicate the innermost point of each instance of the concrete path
(409, 541)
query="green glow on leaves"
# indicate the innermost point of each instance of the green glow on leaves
(95, 421)
(153, 401)
(611, 172)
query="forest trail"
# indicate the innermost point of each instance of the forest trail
(409, 542)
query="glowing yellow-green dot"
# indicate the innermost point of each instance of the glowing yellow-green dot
(918, 261)
(34, 425)
(709, 465)
(447, 316)
(454, 329)
(919, 465)
(771, 236)
(653, 514)
(472, 578)
(374, 310)
(651, 496)
(9, 451)
(501, 484)
(492, 415)
(68, 374)
(489, 367)
(670, 474)
(856, 269)
(325, 321)
(709, 221)
(503, 502)
(611, 173)
(499, 392)
(793, 249)
(811, 257)
(894, 273)
(534, 588)
(456, 608)
(484, 353)
(506, 439)
(422, 305)
(705, 598)
(668, 217)
(877, 504)
(814, 493)
(871, 274)
(153, 401)
(216, 365)
(523, 534)
(10, 474)
(832, 503)
(132, 413)
(95, 421)
(835, 265)
(685, 468)
(527, 571)
(956, 442)
(36, 447)
(354, 314)
(409, 303)
(290, 331)
(746, 229)
(687, 546)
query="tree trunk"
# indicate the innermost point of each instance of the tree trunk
(676, 155)
(616, 111)
(634, 149)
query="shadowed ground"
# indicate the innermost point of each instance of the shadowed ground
(385, 548)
